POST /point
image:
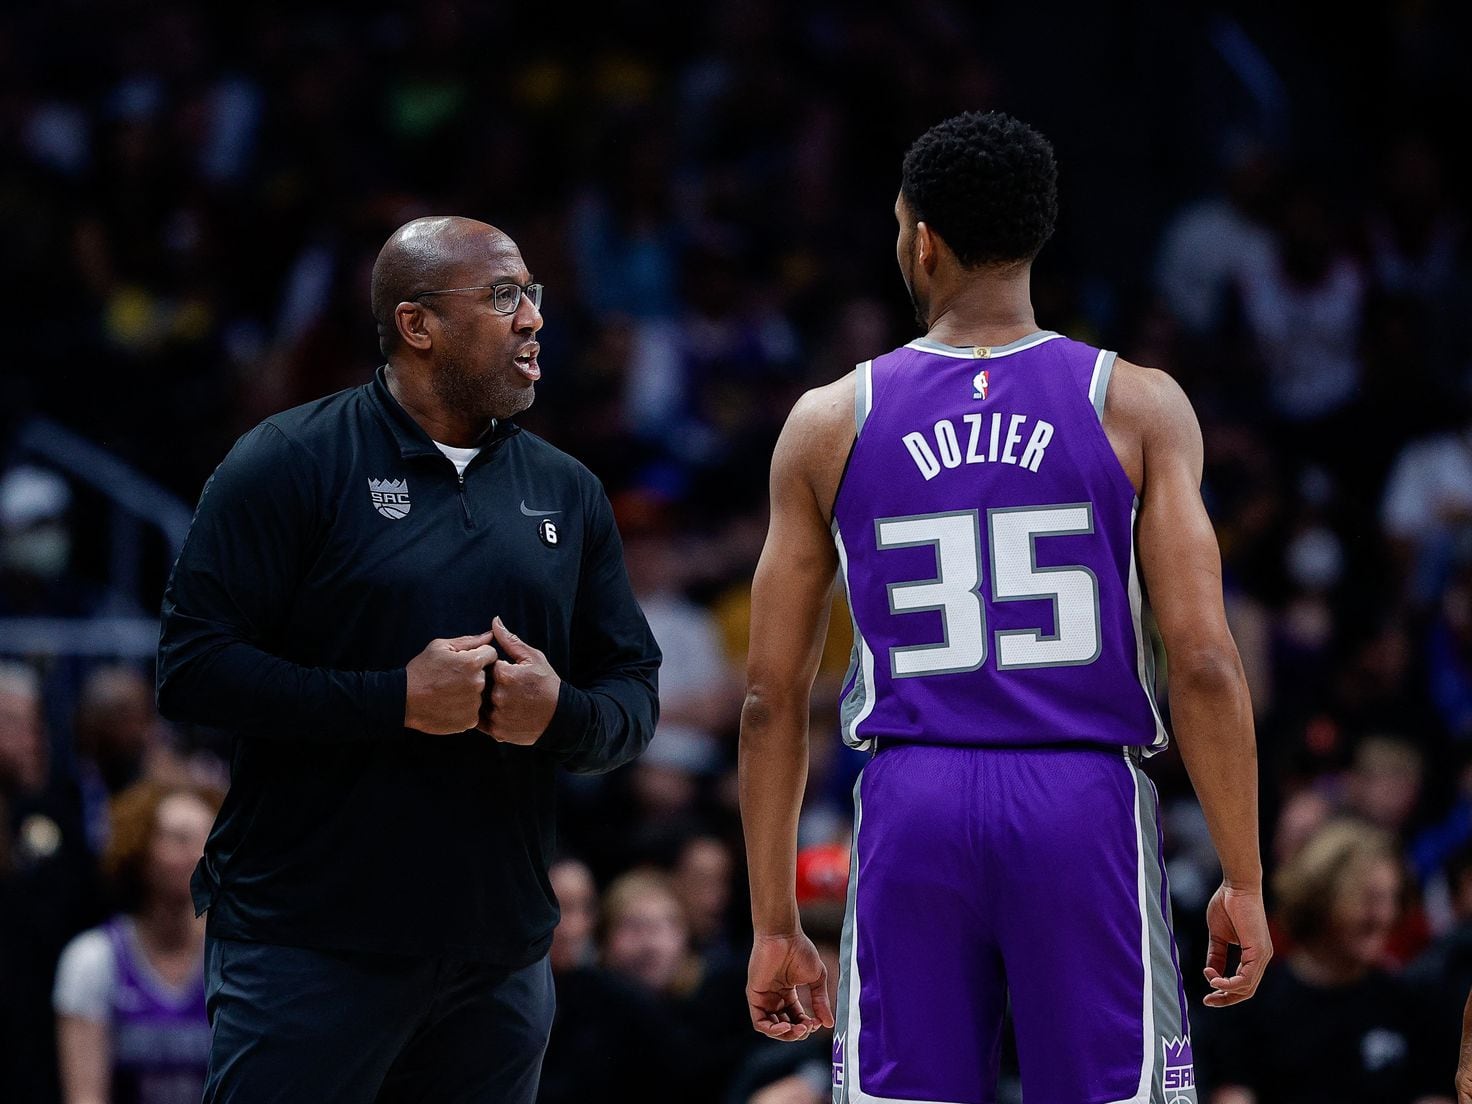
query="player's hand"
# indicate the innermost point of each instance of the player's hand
(1236, 917)
(781, 968)
(445, 684)
(522, 694)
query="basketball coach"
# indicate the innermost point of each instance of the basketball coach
(409, 613)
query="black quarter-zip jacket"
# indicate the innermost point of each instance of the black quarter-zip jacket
(329, 547)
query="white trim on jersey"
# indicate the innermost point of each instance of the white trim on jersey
(1142, 666)
(864, 675)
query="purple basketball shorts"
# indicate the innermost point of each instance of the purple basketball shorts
(987, 875)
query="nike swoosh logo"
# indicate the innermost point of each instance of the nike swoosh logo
(529, 512)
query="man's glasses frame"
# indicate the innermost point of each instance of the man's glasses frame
(507, 297)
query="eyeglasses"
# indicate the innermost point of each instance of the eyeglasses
(505, 298)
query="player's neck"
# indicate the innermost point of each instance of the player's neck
(411, 390)
(993, 310)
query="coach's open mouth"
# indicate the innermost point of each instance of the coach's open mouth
(526, 362)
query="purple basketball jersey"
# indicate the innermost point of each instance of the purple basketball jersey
(161, 1037)
(985, 532)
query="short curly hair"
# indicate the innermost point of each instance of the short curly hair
(987, 184)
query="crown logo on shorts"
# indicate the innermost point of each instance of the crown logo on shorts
(1178, 1073)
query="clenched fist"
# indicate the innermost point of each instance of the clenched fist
(446, 681)
(522, 696)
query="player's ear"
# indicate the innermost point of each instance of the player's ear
(926, 251)
(412, 322)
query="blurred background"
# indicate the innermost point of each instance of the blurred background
(1269, 201)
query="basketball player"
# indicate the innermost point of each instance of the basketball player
(999, 499)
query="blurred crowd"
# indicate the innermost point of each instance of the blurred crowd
(193, 196)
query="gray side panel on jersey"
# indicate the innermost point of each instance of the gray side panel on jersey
(1166, 999)
(1099, 384)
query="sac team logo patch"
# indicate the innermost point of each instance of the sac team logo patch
(1178, 1073)
(390, 497)
(838, 1060)
(980, 383)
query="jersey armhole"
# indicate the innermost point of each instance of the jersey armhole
(863, 405)
(1099, 380)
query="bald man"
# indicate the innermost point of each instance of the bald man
(410, 613)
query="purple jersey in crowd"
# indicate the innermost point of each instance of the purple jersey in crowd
(160, 1037)
(985, 532)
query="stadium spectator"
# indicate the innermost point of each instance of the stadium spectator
(120, 739)
(130, 995)
(47, 888)
(1355, 1035)
(600, 1048)
(646, 937)
(36, 545)
(1426, 511)
(1442, 977)
(702, 879)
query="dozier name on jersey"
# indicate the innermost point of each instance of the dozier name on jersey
(1002, 435)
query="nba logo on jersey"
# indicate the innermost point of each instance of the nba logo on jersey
(980, 383)
(837, 1060)
(1178, 1074)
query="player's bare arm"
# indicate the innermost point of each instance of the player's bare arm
(789, 615)
(1154, 430)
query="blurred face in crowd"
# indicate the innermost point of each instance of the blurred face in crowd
(1385, 783)
(1302, 815)
(1365, 908)
(647, 939)
(577, 898)
(180, 828)
(661, 790)
(703, 881)
(117, 715)
(22, 741)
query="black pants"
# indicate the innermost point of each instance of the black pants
(336, 1027)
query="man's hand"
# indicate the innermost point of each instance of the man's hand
(1236, 917)
(522, 697)
(446, 681)
(781, 965)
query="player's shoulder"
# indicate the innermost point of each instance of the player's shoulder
(824, 412)
(1148, 401)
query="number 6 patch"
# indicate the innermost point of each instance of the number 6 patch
(548, 532)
